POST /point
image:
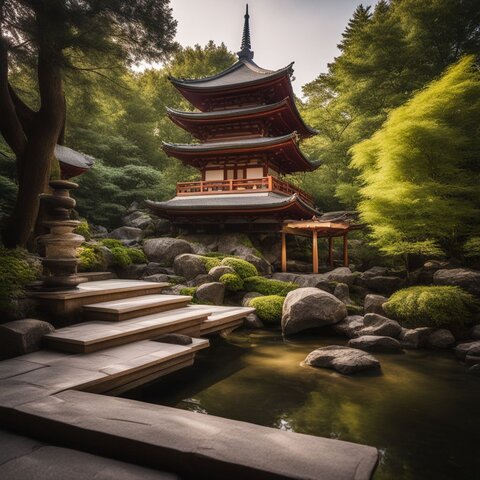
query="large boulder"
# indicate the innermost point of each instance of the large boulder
(22, 336)
(138, 219)
(376, 324)
(414, 337)
(306, 308)
(375, 342)
(345, 360)
(164, 249)
(374, 304)
(465, 278)
(127, 235)
(441, 338)
(217, 272)
(350, 326)
(211, 293)
(189, 266)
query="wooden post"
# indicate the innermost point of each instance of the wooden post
(315, 251)
(330, 251)
(284, 252)
(345, 251)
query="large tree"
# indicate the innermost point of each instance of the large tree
(57, 38)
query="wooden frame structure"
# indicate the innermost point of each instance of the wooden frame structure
(317, 228)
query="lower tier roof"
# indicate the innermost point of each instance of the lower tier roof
(246, 204)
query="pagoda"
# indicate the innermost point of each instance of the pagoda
(248, 129)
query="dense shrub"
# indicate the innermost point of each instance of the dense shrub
(471, 248)
(210, 262)
(121, 258)
(111, 243)
(427, 306)
(90, 258)
(268, 308)
(15, 273)
(232, 282)
(136, 255)
(266, 286)
(84, 230)
(191, 291)
(243, 268)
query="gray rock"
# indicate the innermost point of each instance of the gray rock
(441, 338)
(475, 332)
(250, 296)
(107, 257)
(464, 278)
(217, 272)
(211, 293)
(474, 369)
(154, 268)
(375, 342)
(200, 280)
(263, 267)
(132, 272)
(189, 266)
(98, 231)
(164, 249)
(174, 289)
(163, 277)
(467, 348)
(175, 338)
(22, 336)
(376, 324)
(414, 337)
(252, 321)
(342, 292)
(138, 219)
(306, 308)
(345, 360)
(350, 326)
(384, 284)
(375, 272)
(127, 235)
(340, 275)
(162, 226)
(373, 304)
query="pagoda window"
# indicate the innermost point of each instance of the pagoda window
(255, 172)
(214, 175)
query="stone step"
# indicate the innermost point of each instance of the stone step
(118, 310)
(69, 302)
(93, 336)
(223, 318)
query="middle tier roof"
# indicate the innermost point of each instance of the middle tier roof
(281, 151)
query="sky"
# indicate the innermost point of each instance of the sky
(281, 31)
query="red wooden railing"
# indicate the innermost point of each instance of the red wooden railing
(241, 185)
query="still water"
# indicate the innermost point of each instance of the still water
(422, 411)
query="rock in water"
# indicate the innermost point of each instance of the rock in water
(164, 250)
(375, 342)
(349, 326)
(345, 360)
(441, 338)
(310, 307)
(378, 325)
(252, 321)
(414, 337)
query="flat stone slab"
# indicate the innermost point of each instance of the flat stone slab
(189, 443)
(93, 336)
(22, 458)
(222, 318)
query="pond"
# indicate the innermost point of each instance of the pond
(421, 411)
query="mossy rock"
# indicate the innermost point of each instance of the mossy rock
(232, 282)
(432, 306)
(243, 268)
(267, 286)
(210, 262)
(268, 308)
(90, 258)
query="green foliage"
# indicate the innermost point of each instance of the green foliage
(90, 258)
(266, 286)
(428, 306)
(136, 255)
(420, 169)
(16, 271)
(84, 230)
(232, 282)
(111, 242)
(471, 248)
(243, 268)
(121, 258)
(210, 262)
(190, 291)
(268, 308)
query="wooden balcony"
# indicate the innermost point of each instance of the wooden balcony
(241, 185)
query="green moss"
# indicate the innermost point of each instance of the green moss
(432, 306)
(354, 309)
(121, 258)
(190, 291)
(266, 286)
(111, 243)
(136, 255)
(210, 262)
(471, 248)
(90, 258)
(232, 282)
(15, 273)
(268, 308)
(243, 268)
(84, 230)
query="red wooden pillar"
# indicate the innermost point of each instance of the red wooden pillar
(315, 251)
(330, 251)
(284, 252)
(345, 251)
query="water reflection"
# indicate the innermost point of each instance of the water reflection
(421, 411)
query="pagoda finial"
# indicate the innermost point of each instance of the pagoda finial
(246, 52)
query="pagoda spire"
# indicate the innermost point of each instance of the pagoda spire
(246, 52)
